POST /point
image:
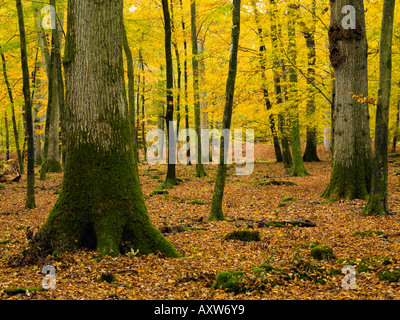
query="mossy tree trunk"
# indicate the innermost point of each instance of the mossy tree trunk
(298, 168)
(352, 157)
(30, 190)
(216, 213)
(101, 204)
(200, 172)
(377, 200)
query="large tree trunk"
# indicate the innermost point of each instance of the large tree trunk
(352, 158)
(377, 200)
(101, 204)
(216, 213)
(30, 190)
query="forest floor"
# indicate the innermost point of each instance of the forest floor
(204, 250)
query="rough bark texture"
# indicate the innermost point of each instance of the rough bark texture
(377, 200)
(352, 158)
(101, 203)
(216, 213)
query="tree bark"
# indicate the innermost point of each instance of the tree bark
(13, 118)
(287, 157)
(131, 92)
(185, 80)
(101, 203)
(377, 200)
(263, 60)
(30, 190)
(310, 153)
(200, 172)
(216, 213)
(298, 168)
(169, 115)
(352, 157)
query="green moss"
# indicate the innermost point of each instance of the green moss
(197, 202)
(243, 235)
(367, 233)
(22, 290)
(108, 277)
(154, 192)
(350, 182)
(53, 166)
(288, 199)
(390, 276)
(230, 282)
(321, 251)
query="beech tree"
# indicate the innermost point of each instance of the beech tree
(30, 189)
(101, 203)
(377, 200)
(352, 157)
(216, 212)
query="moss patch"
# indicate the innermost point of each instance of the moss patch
(367, 233)
(321, 251)
(243, 235)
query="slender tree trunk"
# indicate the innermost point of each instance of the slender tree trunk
(216, 213)
(298, 168)
(49, 112)
(14, 121)
(377, 200)
(310, 153)
(352, 157)
(287, 157)
(185, 79)
(7, 135)
(178, 69)
(131, 92)
(169, 115)
(143, 100)
(30, 190)
(101, 203)
(396, 128)
(263, 61)
(200, 172)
